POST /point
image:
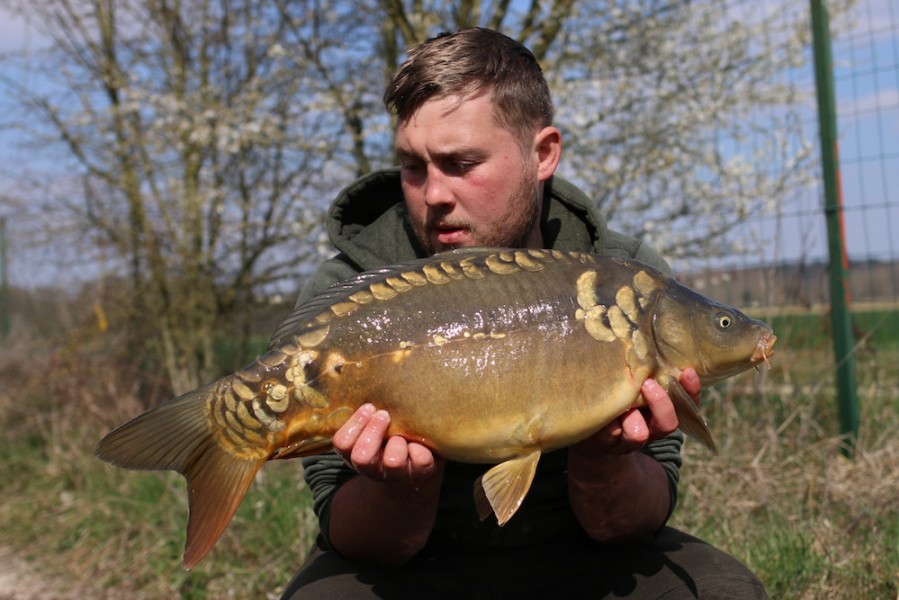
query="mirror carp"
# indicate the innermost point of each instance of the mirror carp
(487, 356)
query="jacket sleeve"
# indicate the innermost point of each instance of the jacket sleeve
(667, 452)
(324, 474)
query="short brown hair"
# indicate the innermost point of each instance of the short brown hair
(469, 61)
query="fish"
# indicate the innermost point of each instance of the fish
(487, 355)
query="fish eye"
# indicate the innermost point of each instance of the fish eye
(724, 320)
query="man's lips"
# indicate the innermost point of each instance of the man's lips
(449, 235)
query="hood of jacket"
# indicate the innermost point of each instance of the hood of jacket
(367, 223)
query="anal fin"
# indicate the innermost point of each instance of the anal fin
(502, 489)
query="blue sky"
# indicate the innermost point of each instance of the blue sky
(866, 72)
(866, 76)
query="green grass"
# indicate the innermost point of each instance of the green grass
(780, 495)
(874, 328)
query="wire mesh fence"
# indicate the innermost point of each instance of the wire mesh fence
(785, 256)
(823, 265)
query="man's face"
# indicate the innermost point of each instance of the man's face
(465, 179)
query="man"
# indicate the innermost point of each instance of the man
(477, 153)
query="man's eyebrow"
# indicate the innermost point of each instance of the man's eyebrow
(453, 154)
(461, 153)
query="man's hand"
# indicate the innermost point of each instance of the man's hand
(361, 441)
(640, 426)
(618, 494)
(386, 513)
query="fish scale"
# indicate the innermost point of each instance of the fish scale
(484, 355)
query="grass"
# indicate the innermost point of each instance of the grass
(112, 529)
(872, 326)
(780, 495)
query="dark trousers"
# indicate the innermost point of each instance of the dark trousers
(673, 565)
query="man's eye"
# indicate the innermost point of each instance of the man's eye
(462, 167)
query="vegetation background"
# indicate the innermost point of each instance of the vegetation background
(180, 157)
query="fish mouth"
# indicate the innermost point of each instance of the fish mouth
(764, 348)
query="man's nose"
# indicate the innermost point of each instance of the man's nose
(437, 190)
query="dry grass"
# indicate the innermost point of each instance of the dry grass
(89, 526)
(782, 495)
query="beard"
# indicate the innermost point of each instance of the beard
(511, 229)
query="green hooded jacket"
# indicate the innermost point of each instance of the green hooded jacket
(367, 225)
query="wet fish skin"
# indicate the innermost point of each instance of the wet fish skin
(487, 356)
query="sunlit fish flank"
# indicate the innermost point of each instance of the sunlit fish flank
(483, 355)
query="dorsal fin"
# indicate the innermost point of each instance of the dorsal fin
(321, 301)
(343, 289)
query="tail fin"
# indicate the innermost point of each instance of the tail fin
(176, 436)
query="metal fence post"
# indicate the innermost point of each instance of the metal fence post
(841, 326)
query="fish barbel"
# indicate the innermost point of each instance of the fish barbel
(483, 355)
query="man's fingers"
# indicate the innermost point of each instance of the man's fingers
(659, 412)
(689, 379)
(367, 449)
(634, 429)
(396, 454)
(422, 461)
(662, 415)
(345, 438)
(364, 444)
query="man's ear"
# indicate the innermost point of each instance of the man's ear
(548, 145)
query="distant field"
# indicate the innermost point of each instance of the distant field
(875, 325)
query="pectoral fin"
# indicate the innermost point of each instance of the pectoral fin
(502, 489)
(691, 422)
